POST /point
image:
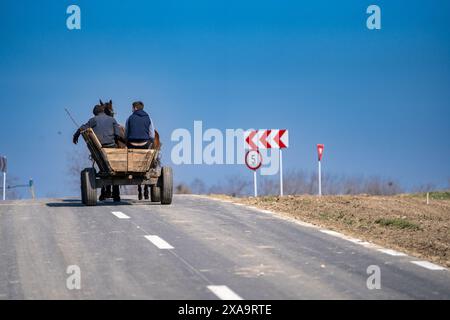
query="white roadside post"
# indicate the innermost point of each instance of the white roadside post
(3, 166)
(31, 185)
(4, 186)
(320, 153)
(320, 179)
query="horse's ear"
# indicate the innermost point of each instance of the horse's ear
(110, 101)
(101, 102)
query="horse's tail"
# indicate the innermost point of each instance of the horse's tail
(157, 142)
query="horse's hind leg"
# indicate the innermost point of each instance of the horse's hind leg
(146, 192)
(108, 193)
(116, 193)
(139, 192)
(102, 195)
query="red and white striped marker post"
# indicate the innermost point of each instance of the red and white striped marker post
(319, 154)
(269, 139)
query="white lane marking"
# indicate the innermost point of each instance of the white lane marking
(120, 215)
(428, 265)
(393, 252)
(224, 293)
(160, 243)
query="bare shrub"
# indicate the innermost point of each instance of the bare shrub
(182, 189)
(425, 187)
(197, 186)
(12, 193)
(234, 185)
(77, 161)
(379, 186)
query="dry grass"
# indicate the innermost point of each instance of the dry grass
(403, 222)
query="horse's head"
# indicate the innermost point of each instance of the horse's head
(109, 110)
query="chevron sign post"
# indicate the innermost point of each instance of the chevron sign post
(269, 139)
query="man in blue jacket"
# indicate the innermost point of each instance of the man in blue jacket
(140, 134)
(139, 129)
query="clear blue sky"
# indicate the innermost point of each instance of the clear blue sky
(378, 100)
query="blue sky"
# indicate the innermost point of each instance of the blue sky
(378, 100)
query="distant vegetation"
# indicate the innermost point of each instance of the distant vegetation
(295, 182)
(436, 195)
(300, 182)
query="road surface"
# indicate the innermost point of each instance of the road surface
(196, 248)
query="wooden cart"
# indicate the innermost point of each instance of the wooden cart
(124, 167)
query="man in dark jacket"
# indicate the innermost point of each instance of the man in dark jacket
(108, 133)
(139, 128)
(105, 128)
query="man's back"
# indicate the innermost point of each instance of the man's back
(139, 127)
(105, 128)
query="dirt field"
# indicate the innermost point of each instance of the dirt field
(403, 222)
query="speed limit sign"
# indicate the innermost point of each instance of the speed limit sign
(253, 159)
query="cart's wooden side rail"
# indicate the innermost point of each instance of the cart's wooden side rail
(97, 152)
(130, 160)
(140, 160)
(115, 160)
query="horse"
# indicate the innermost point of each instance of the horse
(109, 110)
(156, 145)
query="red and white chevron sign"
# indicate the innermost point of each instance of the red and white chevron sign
(267, 139)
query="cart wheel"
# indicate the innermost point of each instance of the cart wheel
(83, 189)
(88, 190)
(166, 185)
(155, 194)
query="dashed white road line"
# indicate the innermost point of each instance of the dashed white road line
(157, 241)
(428, 265)
(224, 293)
(120, 215)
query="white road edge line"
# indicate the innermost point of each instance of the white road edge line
(120, 215)
(224, 293)
(393, 252)
(428, 265)
(365, 244)
(157, 241)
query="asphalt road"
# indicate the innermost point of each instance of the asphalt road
(194, 249)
